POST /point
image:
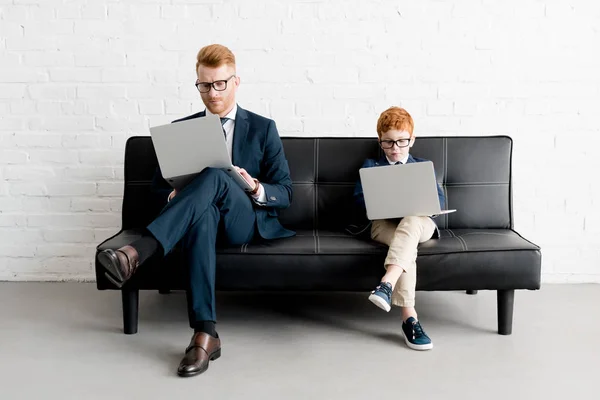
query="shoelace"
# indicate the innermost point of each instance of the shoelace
(418, 330)
(385, 287)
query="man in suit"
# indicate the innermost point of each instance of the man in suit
(213, 207)
(395, 130)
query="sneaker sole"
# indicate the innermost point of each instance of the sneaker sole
(419, 347)
(379, 302)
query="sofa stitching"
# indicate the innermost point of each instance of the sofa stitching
(484, 233)
(318, 242)
(510, 197)
(528, 241)
(474, 184)
(445, 146)
(478, 184)
(315, 183)
(462, 242)
(445, 179)
(379, 251)
(315, 193)
(146, 182)
(465, 247)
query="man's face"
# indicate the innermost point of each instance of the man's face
(219, 102)
(396, 153)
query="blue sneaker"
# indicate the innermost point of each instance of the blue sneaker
(414, 335)
(382, 296)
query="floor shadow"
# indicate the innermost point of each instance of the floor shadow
(343, 311)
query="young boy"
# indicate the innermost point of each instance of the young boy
(395, 130)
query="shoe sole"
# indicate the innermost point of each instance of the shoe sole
(419, 347)
(379, 302)
(113, 280)
(212, 357)
(108, 259)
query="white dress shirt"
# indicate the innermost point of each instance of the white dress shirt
(403, 161)
(229, 126)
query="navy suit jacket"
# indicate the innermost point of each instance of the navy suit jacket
(361, 223)
(258, 149)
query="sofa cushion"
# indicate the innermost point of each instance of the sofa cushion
(329, 260)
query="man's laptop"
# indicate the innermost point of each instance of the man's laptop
(186, 148)
(397, 191)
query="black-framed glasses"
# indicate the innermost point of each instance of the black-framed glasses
(388, 144)
(219, 86)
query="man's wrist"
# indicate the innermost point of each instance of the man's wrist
(254, 191)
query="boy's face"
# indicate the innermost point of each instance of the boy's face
(394, 138)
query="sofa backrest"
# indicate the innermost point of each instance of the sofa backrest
(474, 172)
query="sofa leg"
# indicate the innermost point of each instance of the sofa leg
(506, 301)
(471, 291)
(164, 291)
(130, 299)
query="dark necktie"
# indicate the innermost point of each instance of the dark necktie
(223, 120)
(398, 163)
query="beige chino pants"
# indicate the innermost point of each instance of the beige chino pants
(402, 239)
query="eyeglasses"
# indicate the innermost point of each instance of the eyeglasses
(388, 144)
(219, 86)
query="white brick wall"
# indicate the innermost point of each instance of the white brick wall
(77, 78)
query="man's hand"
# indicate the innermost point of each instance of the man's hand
(246, 176)
(172, 194)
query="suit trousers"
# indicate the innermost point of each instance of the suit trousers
(211, 206)
(403, 238)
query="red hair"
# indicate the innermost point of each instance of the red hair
(395, 118)
(214, 56)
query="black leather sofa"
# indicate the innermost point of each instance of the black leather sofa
(478, 248)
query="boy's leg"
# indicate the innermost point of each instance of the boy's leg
(383, 231)
(403, 252)
(402, 239)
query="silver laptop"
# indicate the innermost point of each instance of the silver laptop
(186, 148)
(403, 190)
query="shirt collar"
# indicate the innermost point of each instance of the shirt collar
(403, 161)
(232, 113)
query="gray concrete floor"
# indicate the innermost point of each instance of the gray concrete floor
(64, 340)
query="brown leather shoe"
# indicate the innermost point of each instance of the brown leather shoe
(120, 264)
(202, 349)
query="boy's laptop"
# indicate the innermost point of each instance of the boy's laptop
(397, 191)
(185, 148)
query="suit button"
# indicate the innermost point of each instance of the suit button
(272, 198)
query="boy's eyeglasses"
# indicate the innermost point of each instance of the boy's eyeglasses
(388, 144)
